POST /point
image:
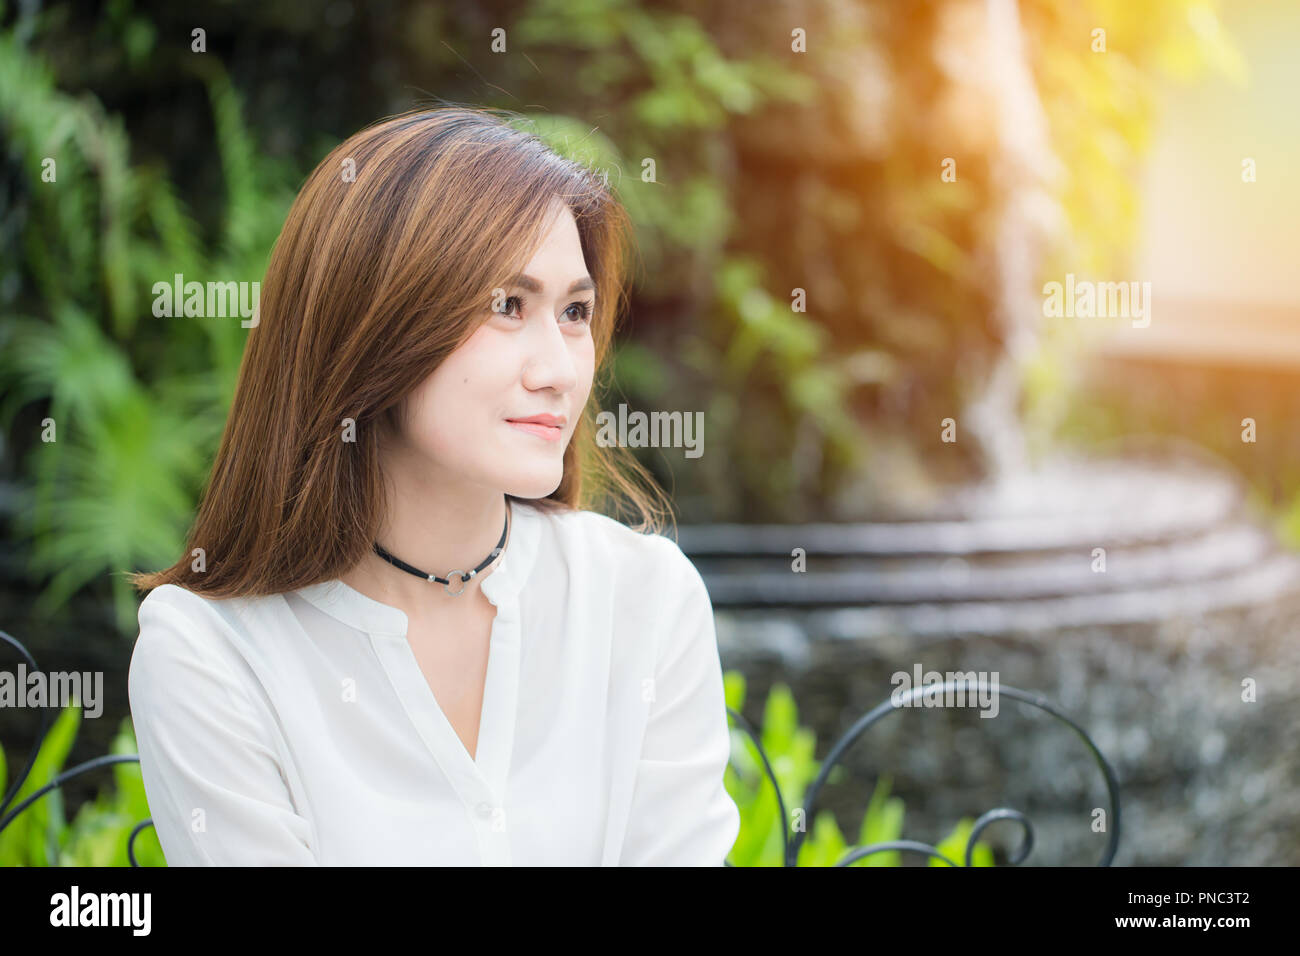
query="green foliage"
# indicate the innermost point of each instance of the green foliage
(135, 402)
(790, 748)
(98, 835)
(954, 847)
(31, 839)
(1289, 524)
(670, 83)
(41, 834)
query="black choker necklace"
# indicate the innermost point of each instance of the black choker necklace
(462, 575)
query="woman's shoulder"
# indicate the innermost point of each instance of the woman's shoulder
(171, 601)
(194, 653)
(178, 625)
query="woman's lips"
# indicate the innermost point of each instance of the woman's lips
(544, 432)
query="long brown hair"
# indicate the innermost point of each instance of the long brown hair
(386, 263)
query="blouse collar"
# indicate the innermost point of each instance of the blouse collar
(345, 603)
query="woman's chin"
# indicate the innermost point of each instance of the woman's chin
(535, 485)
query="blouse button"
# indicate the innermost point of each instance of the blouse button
(485, 810)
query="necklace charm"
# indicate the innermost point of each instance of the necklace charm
(460, 576)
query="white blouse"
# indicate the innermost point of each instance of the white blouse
(298, 729)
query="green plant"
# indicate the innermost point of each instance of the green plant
(133, 403)
(41, 834)
(790, 748)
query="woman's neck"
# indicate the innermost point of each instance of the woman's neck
(436, 530)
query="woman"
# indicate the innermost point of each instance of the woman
(395, 637)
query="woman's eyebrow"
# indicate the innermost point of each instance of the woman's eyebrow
(530, 284)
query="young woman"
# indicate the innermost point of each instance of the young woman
(395, 636)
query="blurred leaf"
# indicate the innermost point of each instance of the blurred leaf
(31, 839)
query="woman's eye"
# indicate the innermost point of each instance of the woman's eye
(584, 311)
(578, 312)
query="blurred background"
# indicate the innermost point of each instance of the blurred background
(911, 456)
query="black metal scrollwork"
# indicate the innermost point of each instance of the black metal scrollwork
(846, 740)
(61, 779)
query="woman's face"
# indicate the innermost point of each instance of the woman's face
(533, 356)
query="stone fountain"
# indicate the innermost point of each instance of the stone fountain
(1135, 591)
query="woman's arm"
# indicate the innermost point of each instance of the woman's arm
(211, 775)
(681, 813)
